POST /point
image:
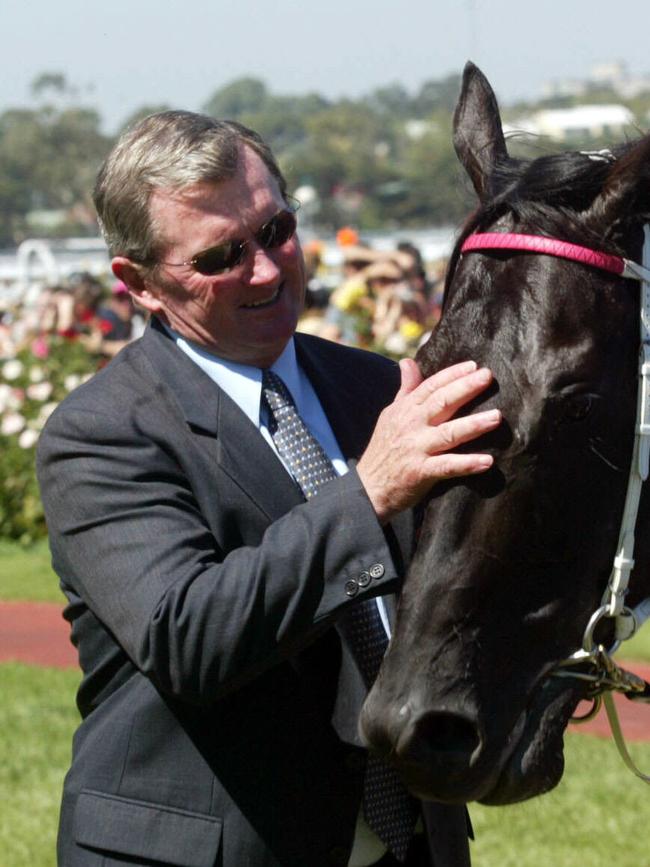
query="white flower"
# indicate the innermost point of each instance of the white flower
(12, 369)
(28, 438)
(5, 394)
(39, 390)
(15, 398)
(46, 411)
(396, 344)
(36, 374)
(71, 381)
(7, 346)
(12, 423)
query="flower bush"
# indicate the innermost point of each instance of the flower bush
(32, 382)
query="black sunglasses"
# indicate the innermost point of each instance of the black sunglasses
(274, 233)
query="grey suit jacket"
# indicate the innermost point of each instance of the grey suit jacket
(219, 706)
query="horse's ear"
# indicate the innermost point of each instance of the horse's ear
(626, 191)
(478, 135)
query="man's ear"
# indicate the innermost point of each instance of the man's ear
(131, 275)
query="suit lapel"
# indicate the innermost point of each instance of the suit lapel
(249, 460)
(242, 452)
(351, 404)
(343, 395)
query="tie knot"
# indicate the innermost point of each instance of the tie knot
(275, 391)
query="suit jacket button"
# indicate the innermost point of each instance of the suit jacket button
(339, 856)
(377, 570)
(351, 588)
(364, 579)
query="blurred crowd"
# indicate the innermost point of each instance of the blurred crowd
(102, 318)
(385, 301)
(56, 337)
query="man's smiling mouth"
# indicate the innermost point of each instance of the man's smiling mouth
(263, 302)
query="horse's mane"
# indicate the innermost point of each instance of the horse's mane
(550, 193)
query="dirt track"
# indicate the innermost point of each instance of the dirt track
(35, 633)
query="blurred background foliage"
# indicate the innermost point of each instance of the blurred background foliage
(31, 386)
(383, 159)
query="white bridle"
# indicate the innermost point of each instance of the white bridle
(628, 621)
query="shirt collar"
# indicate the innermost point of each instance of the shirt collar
(243, 382)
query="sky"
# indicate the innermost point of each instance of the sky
(123, 54)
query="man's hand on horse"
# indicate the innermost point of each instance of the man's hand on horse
(412, 446)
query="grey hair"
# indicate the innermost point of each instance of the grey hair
(168, 150)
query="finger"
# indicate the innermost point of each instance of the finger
(447, 400)
(411, 376)
(449, 466)
(442, 378)
(449, 435)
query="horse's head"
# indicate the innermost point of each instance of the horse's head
(510, 565)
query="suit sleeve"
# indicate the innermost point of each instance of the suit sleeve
(127, 534)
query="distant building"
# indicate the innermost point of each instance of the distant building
(563, 87)
(612, 74)
(416, 128)
(575, 124)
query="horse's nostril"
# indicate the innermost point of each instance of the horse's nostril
(446, 735)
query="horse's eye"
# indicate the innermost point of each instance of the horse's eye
(576, 407)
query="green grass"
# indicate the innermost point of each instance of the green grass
(637, 647)
(37, 718)
(26, 573)
(597, 817)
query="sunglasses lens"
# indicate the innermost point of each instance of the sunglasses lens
(218, 259)
(223, 257)
(278, 230)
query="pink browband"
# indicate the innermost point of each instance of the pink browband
(547, 246)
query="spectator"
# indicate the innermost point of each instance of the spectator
(350, 309)
(397, 318)
(118, 320)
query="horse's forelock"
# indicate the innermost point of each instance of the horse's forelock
(549, 195)
(625, 197)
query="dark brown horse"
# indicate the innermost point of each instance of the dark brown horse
(511, 565)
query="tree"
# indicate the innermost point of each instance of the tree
(48, 159)
(437, 95)
(282, 122)
(393, 100)
(439, 191)
(242, 96)
(142, 112)
(346, 151)
(53, 81)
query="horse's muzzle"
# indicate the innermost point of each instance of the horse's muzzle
(437, 752)
(448, 751)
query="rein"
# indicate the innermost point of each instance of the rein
(603, 674)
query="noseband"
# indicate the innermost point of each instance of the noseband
(603, 674)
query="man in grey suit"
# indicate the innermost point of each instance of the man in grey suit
(219, 696)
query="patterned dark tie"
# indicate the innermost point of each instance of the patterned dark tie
(388, 808)
(299, 449)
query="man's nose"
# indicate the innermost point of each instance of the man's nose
(262, 267)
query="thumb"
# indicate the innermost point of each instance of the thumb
(411, 377)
